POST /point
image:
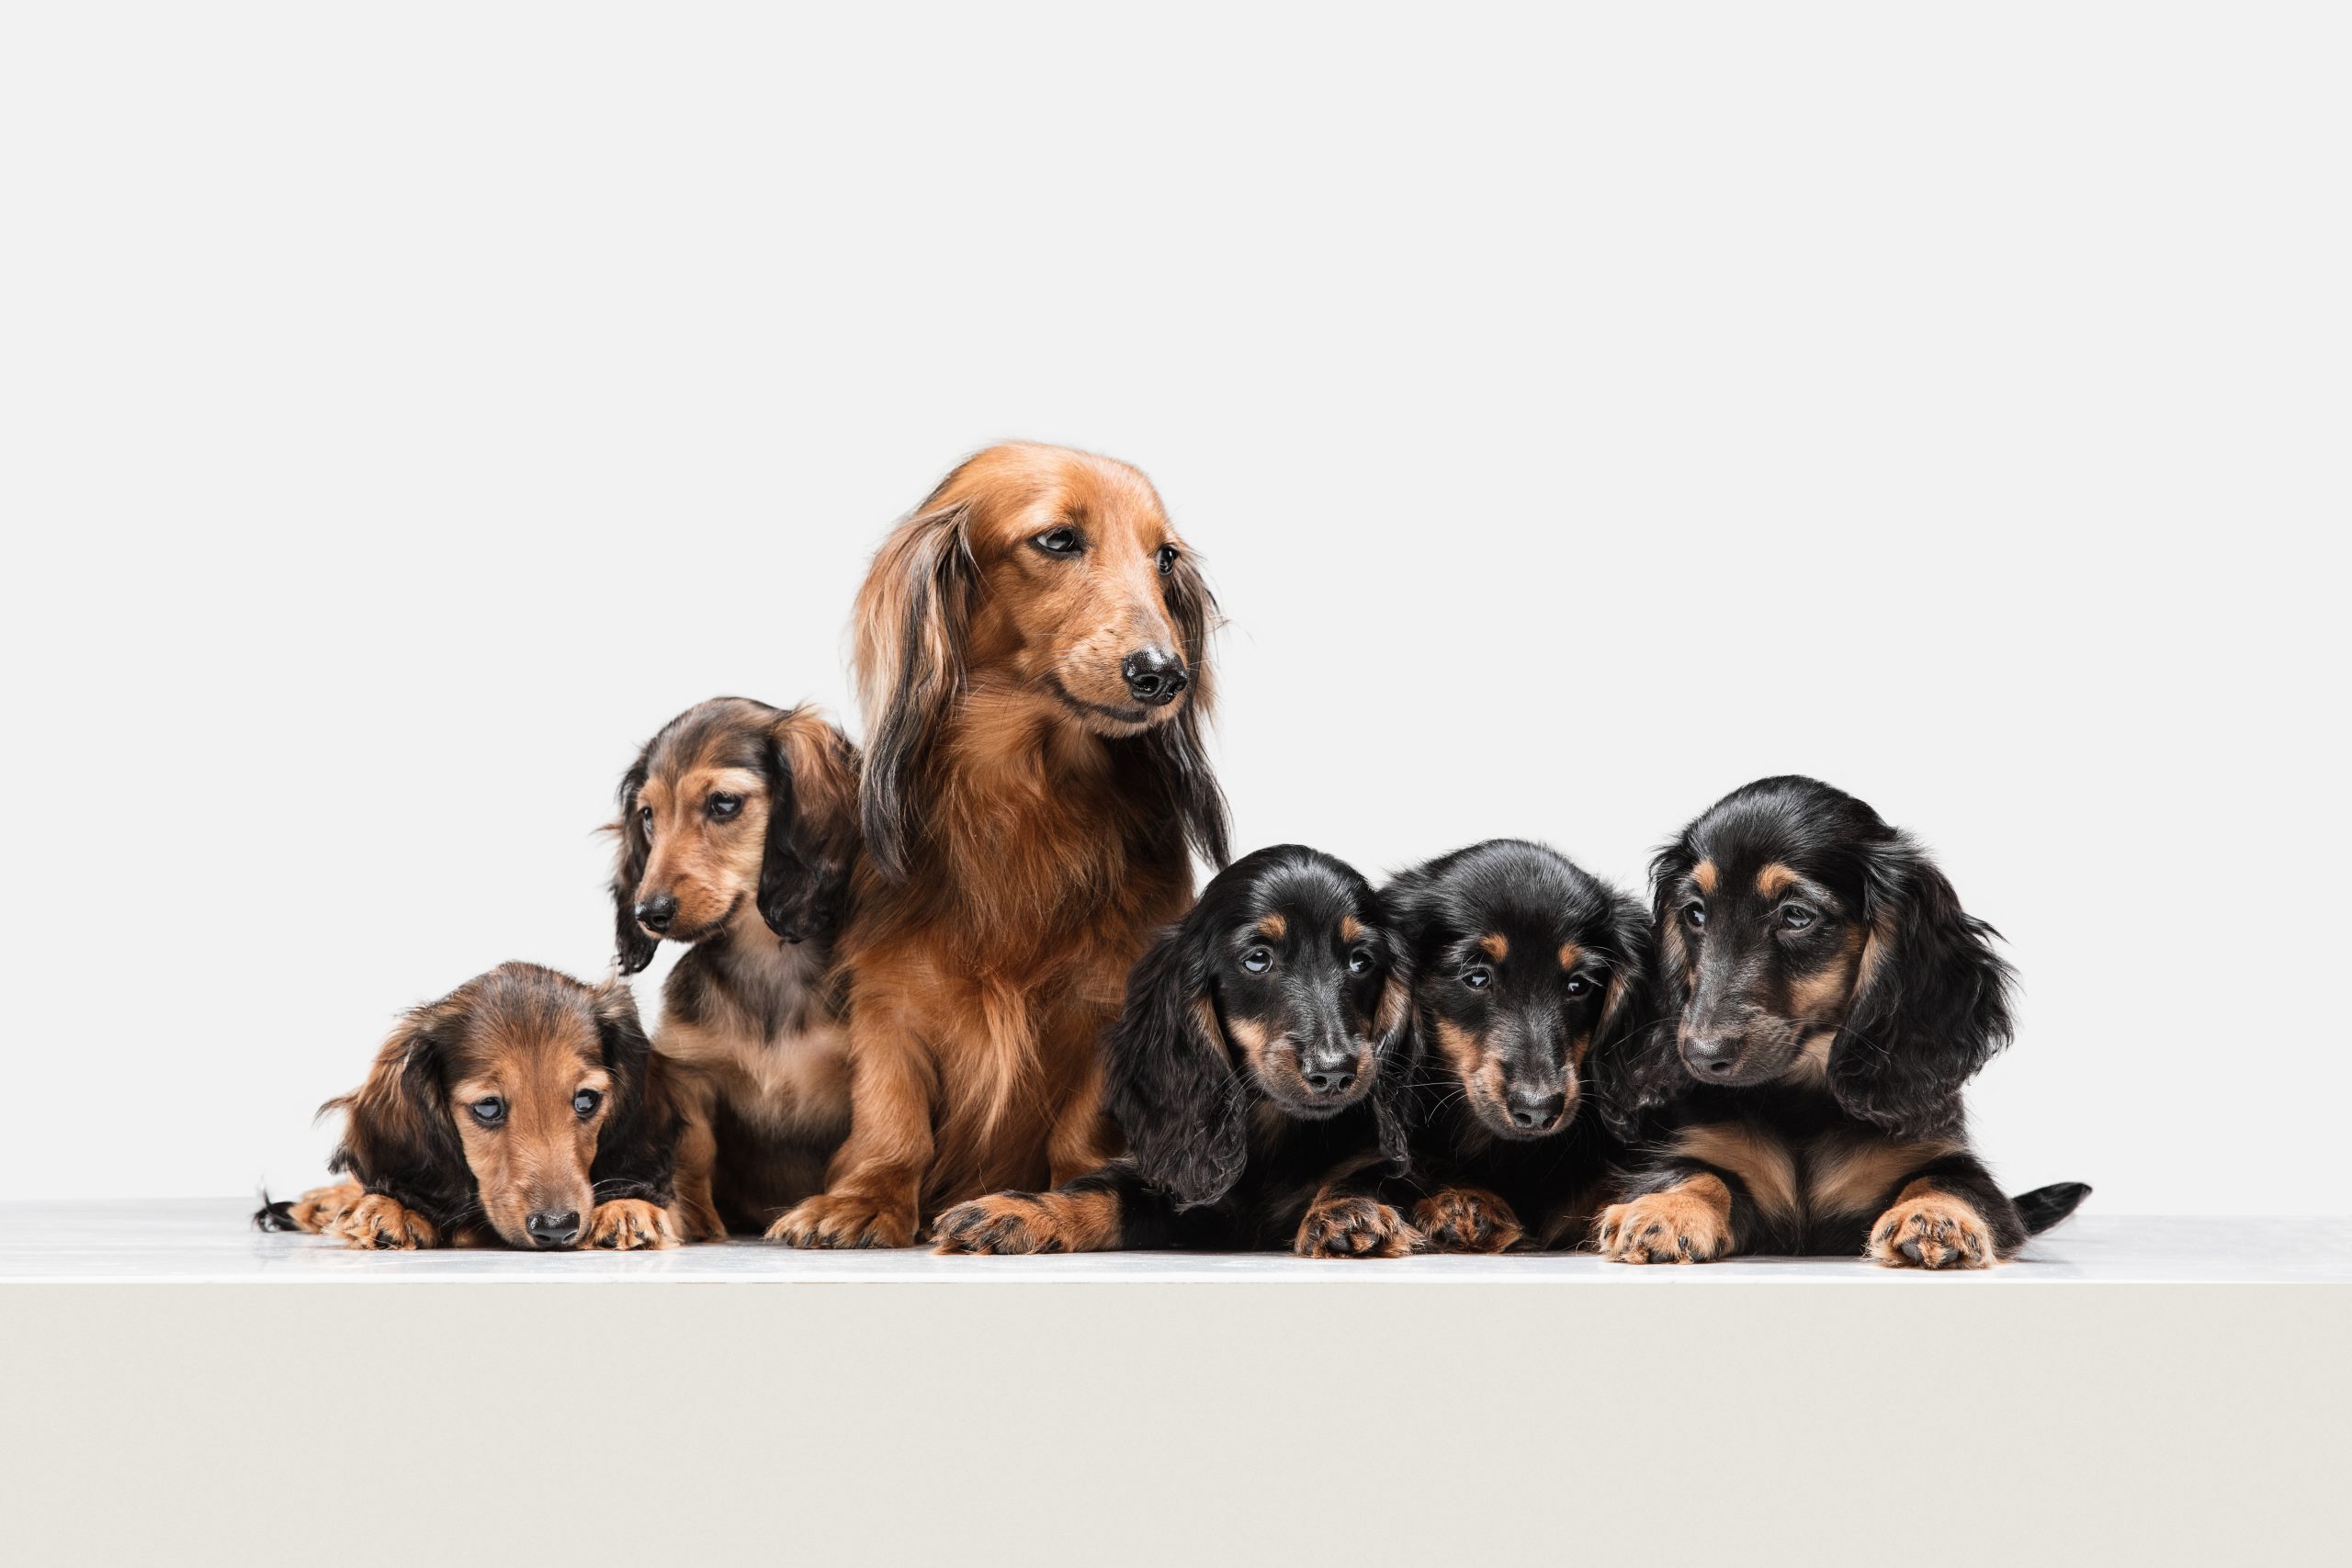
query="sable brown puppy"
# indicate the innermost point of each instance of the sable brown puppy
(738, 829)
(1528, 972)
(1030, 653)
(522, 1108)
(1830, 998)
(1258, 1068)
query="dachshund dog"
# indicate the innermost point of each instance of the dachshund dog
(738, 831)
(522, 1108)
(1258, 1069)
(1829, 1000)
(1031, 653)
(1528, 971)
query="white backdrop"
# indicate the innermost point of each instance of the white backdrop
(404, 414)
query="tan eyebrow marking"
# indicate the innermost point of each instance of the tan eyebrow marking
(1774, 880)
(1350, 929)
(1494, 945)
(1274, 928)
(1703, 875)
(1569, 954)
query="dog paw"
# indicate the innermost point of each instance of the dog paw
(627, 1224)
(1014, 1223)
(1354, 1227)
(843, 1219)
(1685, 1224)
(1467, 1219)
(1932, 1231)
(322, 1208)
(380, 1224)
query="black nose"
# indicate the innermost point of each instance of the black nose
(656, 913)
(1154, 678)
(1534, 1110)
(1331, 1080)
(1711, 1057)
(550, 1229)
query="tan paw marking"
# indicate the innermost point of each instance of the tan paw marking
(1354, 1227)
(1012, 1222)
(1467, 1219)
(381, 1223)
(626, 1225)
(322, 1208)
(1689, 1224)
(1933, 1229)
(844, 1219)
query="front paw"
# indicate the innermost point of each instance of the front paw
(1018, 1222)
(844, 1219)
(380, 1224)
(1354, 1227)
(1680, 1225)
(322, 1208)
(1467, 1219)
(1932, 1231)
(626, 1225)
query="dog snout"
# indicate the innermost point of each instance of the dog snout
(1154, 676)
(1710, 1056)
(1330, 1075)
(656, 913)
(1534, 1110)
(552, 1227)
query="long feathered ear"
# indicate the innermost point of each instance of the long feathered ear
(1636, 1068)
(812, 827)
(912, 614)
(1931, 1002)
(1179, 750)
(631, 946)
(636, 1147)
(397, 1137)
(1169, 1079)
(1394, 1043)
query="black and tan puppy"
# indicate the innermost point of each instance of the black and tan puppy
(1258, 1071)
(522, 1108)
(1830, 998)
(1528, 972)
(738, 828)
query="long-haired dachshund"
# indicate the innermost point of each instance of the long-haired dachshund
(1258, 1068)
(1031, 654)
(738, 829)
(1830, 998)
(1529, 972)
(522, 1108)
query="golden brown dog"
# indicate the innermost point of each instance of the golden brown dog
(1031, 653)
(738, 829)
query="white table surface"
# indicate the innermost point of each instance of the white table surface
(208, 1241)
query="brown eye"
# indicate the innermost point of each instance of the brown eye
(1257, 960)
(1167, 560)
(1796, 917)
(490, 1112)
(1578, 985)
(1058, 541)
(1478, 979)
(1694, 914)
(645, 820)
(585, 1103)
(1360, 961)
(720, 808)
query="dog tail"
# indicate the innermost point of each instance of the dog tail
(2045, 1206)
(276, 1216)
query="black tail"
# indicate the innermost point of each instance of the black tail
(2045, 1206)
(277, 1216)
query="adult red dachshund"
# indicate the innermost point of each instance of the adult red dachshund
(1031, 654)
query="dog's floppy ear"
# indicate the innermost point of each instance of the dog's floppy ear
(398, 1137)
(912, 614)
(1178, 749)
(1394, 1044)
(1931, 1002)
(1636, 1066)
(637, 1146)
(632, 946)
(1169, 1075)
(812, 827)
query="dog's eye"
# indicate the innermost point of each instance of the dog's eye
(489, 1112)
(1796, 917)
(1477, 980)
(1694, 914)
(1257, 960)
(1578, 985)
(1167, 560)
(645, 820)
(1360, 961)
(1058, 541)
(722, 807)
(585, 1103)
